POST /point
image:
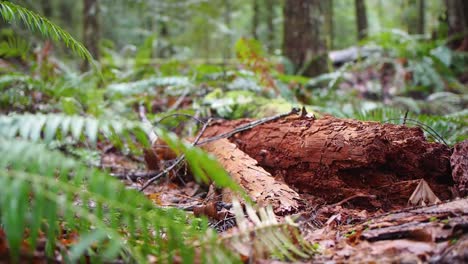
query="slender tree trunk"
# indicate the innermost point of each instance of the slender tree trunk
(303, 44)
(361, 19)
(255, 18)
(414, 16)
(270, 16)
(421, 17)
(91, 29)
(457, 20)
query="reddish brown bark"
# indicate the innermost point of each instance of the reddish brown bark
(459, 163)
(433, 234)
(335, 158)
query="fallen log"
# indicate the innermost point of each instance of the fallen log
(334, 158)
(260, 185)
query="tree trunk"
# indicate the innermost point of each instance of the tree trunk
(361, 19)
(303, 44)
(255, 18)
(91, 29)
(421, 17)
(270, 16)
(457, 20)
(415, 16)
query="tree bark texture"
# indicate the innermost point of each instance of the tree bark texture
(361, 19)
(459, 164)
(302, 43)
(430, 234)
(91, 27)
(334, 159)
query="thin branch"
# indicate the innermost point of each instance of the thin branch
(423, 126)
(248, 126)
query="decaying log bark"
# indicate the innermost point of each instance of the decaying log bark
(433, 234)
(258, 183)
(459, 163)
(335, 158)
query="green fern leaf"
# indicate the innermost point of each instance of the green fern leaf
(47, 192)
(35, 22)
(260, 234)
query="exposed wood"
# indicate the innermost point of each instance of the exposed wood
(333, 158)
(260, 185)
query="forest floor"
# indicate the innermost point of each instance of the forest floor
(364, 191)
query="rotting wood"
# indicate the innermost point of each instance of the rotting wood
(434, 234)
(334, 158)
(260, 185)
(459, 164)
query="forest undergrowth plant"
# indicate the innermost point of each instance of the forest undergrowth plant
(11, 12)
(45, 194)
(251, 55)
(260, 235)
(448, 129)
(427, 63)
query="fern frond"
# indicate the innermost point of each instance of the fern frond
(47, 127)
(261, 235)
(449, 129)
(49, 194)
(35, 22)
(14, 47)
(147, 85)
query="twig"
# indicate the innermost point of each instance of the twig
(249, 126)
(352, 197)
(177, 161)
